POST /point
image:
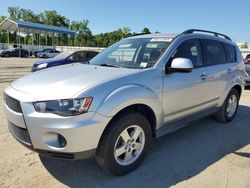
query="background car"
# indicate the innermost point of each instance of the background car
(14, 52)
(247, 59)
(35, 53)
(64, 58)
(48, 53)
(247, 77)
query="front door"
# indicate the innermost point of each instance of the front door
(183, 93)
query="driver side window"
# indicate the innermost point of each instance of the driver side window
(189, 49)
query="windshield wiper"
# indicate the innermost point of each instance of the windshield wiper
(110, 65)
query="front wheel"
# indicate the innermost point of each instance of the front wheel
(124, 144)
(229, 108)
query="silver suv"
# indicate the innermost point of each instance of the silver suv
(137, 89)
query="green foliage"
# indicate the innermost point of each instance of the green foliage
(84, 36)
(244, 46)
(146, 30)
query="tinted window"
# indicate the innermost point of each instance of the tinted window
(79, 56)
(231, 53)
(90, 55)
(214, 52)
(189, 49)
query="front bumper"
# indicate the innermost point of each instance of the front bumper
(45, 131)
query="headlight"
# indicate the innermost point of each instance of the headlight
(65, 107)
(42, 66)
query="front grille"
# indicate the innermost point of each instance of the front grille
(20, 134)
(12, 103)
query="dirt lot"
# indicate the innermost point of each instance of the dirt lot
(206, 154)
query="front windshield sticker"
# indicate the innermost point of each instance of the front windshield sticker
(161, 39)
(143, 64)
(125, 45)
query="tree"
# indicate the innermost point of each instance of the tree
(53, 18)
(244, 46)
(146, 30)
(30, 16)
(107, 39)
(14, 13)
(84, 36)
(56, 19)
(83, 33)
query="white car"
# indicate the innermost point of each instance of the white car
(48, 53)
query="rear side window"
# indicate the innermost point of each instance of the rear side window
(90, 55)
(214, 52)
(231, 53)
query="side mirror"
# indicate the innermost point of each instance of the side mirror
(182, 65)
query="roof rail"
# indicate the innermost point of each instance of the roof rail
(205, 31)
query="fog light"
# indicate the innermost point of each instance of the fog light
(62, 141)
(54, 140)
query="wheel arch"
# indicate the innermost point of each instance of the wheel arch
(238, 88)
(223, 97)
(143, 109)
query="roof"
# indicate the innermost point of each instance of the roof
(157, 35)
(30, 27)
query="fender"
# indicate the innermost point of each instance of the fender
(239, 80)
(128, 95)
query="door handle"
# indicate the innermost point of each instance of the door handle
(229, 70)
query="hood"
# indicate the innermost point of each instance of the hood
(65, 81)
(48, 61)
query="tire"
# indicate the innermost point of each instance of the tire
(223, 115)
(112, 138)
(7, 55)
(44, 56)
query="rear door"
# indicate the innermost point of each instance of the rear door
(50, 53)
(15, 52)
(218, 71)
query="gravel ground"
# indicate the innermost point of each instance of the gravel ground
(206, 154)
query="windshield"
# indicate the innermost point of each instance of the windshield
(63, 55)
(133, 53)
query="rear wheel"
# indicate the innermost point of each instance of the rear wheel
(45, 56)
(124, 144)
(229, 108)
(7, 55)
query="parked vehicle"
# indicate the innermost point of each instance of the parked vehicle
(67, 57)
(141, 87)
(14, 52)
(35, 53)
(48, 53)
(247, 59)
(247, 79)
